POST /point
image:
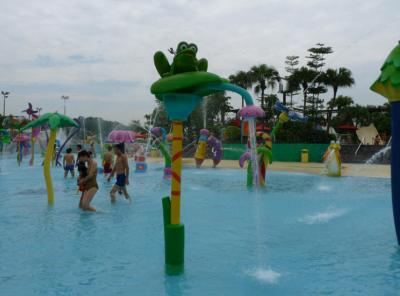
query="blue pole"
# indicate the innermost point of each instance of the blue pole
(395, 167)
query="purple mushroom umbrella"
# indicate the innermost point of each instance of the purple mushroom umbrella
(121, 136)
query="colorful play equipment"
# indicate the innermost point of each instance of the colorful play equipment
(140, 158)
(140, 164)
(14, 124)
(22, 142)
(30, 112)
(5, 137)
(201, 149)
(121, 136)
(35, 133)
(285, 115)
(72, 134)
(332, 160)
(216, 149)
(388, 85)
(181, 88)
(54, 121)
(264, 158)
(203, 143)
(32, 115)
(160, 142)
(124, 136)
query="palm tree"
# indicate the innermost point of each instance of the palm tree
(242, 79)
(54, 121)
(218, 105)
(303, 77)
(340, 103)
(336, 78)
(265, 77)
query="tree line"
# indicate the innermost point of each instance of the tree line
(303, 87)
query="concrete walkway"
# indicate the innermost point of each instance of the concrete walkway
(348, 169)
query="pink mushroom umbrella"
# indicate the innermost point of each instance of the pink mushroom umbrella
(21, 138)
(121, 136)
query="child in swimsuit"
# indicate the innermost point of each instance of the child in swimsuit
(83, 172)
(88, 183)
(78, 149)
(121, 169)
(69, 163)
(107, 161)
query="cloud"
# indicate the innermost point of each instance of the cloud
(44, 61)
(91, 49)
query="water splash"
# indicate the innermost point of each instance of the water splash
(268, 276)
(377, 157)
(324, 188)
(323, 217)
(253, 150)
(62, 136)
(204, 107)
(100, 133)
(192, 144)
(84, 128)
(152, 124)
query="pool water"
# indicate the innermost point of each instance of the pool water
(303, 235)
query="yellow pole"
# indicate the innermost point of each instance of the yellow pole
(177, 133)
(46, 166)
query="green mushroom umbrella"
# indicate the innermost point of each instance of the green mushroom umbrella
(388, 85)
(54, 121)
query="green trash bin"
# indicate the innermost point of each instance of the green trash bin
(304, 155)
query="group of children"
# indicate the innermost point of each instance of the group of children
(87, 169)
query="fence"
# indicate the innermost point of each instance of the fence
(281, 152)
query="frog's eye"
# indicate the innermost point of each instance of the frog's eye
(182, 46)
(193, 47)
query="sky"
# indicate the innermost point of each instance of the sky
(100, 52)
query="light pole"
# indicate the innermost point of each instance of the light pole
(39, 109)
(65, 98)
(5, 96)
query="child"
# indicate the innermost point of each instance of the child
(83, 172)
(88, 183)
(121, 168)
(69, 163)
(93, 149)
(78, 149)
(107, 161)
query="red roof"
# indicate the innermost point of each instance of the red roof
(235, 122)
(347, 127)
(260, 127)
(140, 136)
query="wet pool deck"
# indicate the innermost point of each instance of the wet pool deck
(348, 169)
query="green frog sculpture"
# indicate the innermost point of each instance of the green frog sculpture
(185, 60)
(182, 86)
(185, 74)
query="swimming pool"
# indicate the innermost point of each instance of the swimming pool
(303, 235)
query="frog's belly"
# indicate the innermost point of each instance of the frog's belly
(185, 64)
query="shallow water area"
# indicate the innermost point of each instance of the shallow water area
(302, 235)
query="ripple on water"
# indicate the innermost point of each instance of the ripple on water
(232, 236)
(323, 217)
(267, 276)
